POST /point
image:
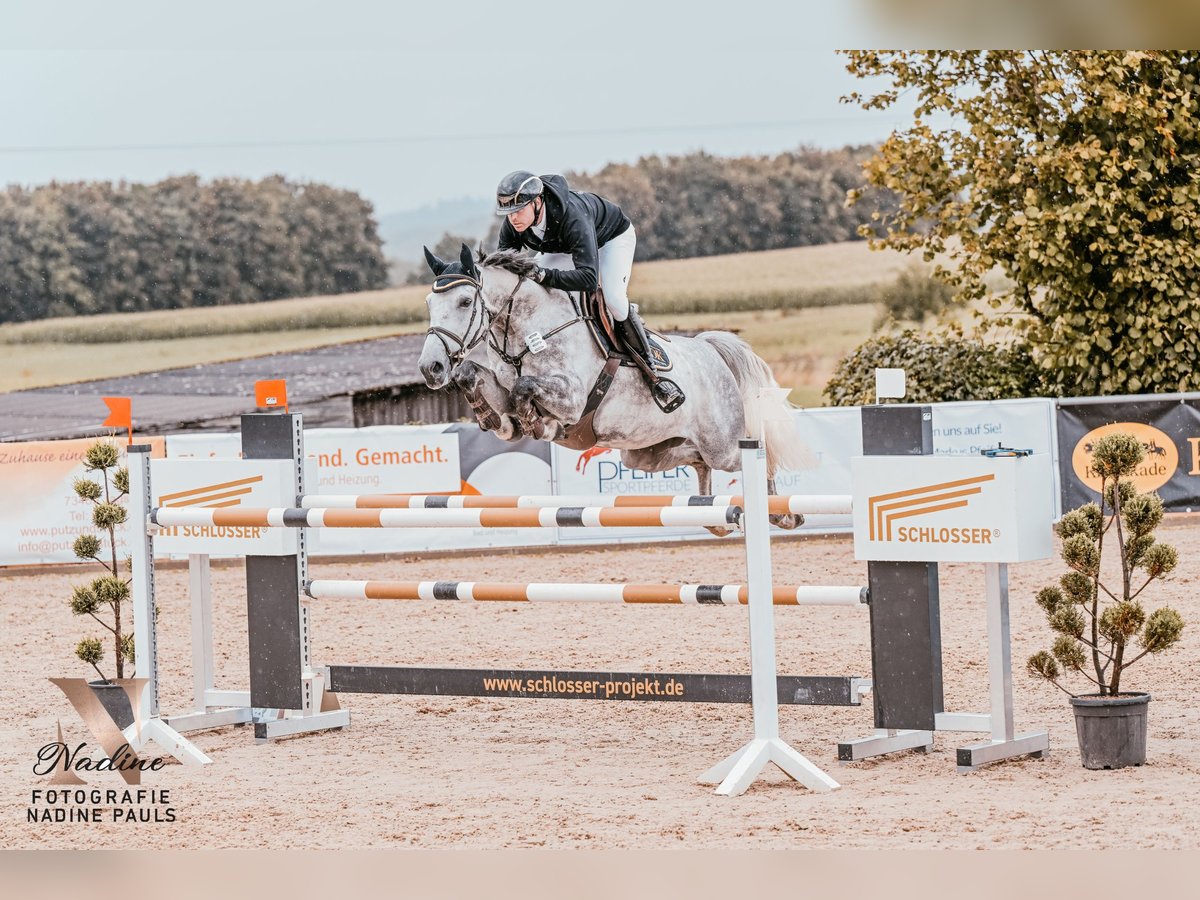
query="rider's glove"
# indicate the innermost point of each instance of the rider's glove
(539, 274)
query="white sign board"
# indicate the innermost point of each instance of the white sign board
(957, 509)
(223, 484)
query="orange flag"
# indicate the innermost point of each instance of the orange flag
(120, 414)
(269, 394)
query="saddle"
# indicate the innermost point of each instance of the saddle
(595, 314)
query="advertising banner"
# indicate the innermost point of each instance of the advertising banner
(482, 464)
(41, 515)
(599, 472)
(959, 509)
(1168, 428)
(402, 459)
(966, 429)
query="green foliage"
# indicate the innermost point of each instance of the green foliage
(941, 366)
(91, 651)
(1159, 560)
(1162, 630)
(1094, 621)
(84, 601)
(128, 648)
(100, 455)
(1043, 665)
(86, 489)
(1051, 599)
(1117, 455)
(1081, 554)
(1086, 520)
(108, 515)
(701, 205)
(87, 546)
(1121, 621)
(110, 589)
(1078, 587)
(1072, 173)
(915, 296)
(88, 248)
(1069, 652)
(1143, 513)
(1068, 620)
(104, 599)
(1125, 489)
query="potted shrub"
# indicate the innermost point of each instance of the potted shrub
(104, 597)
(1097, 611)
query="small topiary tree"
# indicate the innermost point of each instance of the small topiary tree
(1096, 621)
(107, 593)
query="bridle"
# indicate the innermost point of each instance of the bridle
(466, 342)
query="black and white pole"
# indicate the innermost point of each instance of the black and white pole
(737, 772)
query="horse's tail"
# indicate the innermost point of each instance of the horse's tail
(764, 404)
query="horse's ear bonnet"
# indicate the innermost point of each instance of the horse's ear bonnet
(468, 263)
(436, 265)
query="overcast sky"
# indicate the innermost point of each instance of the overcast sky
(411, 103)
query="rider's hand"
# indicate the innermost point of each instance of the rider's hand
(539, 274)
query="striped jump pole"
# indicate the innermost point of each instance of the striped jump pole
(777, 505)
(699, 594)
(551, 517)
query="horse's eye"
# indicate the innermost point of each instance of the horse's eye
(464, 303)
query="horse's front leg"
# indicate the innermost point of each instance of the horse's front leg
(489, 401)
(544, 404)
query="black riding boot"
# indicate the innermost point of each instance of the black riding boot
(666, 393)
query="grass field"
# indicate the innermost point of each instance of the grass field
(796, 307)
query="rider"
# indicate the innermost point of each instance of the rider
(583, 241)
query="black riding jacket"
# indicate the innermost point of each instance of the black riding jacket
(577, 223)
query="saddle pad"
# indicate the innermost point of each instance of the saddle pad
(662, 360)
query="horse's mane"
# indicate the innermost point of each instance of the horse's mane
(512, 261)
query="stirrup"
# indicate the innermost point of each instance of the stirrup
(671, 404)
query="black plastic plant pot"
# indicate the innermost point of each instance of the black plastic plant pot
(114, 699)
(1111, 730)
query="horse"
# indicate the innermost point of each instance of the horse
(540, 363)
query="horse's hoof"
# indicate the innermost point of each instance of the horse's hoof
(788, 522)
(719, 532)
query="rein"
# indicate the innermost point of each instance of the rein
(502, 351)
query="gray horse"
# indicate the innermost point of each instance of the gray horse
(485, 325)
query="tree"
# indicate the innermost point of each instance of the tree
(700, 205)
(98, 247)
(1075, 174)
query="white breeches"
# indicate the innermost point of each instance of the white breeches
(616, 262)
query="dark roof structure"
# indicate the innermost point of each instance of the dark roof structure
(344, 385)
